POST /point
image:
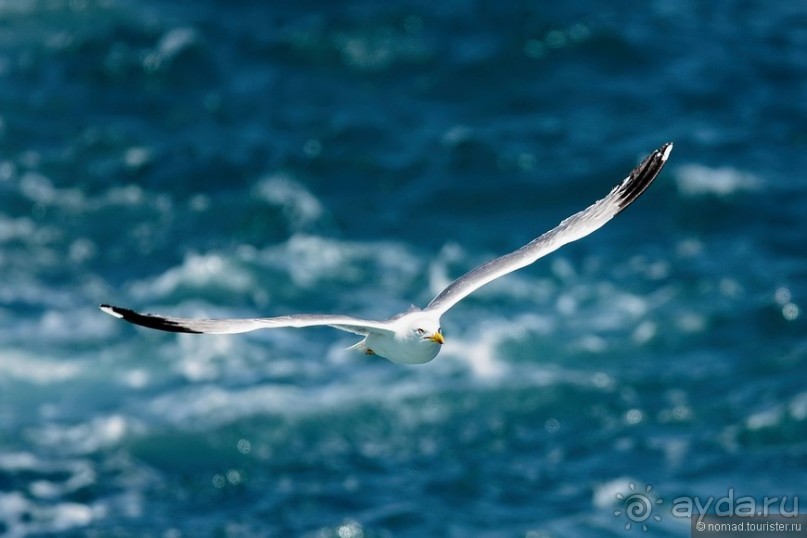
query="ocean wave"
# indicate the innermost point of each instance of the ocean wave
(21, 366)
(43, 507)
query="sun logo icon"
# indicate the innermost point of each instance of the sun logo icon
(638, 506)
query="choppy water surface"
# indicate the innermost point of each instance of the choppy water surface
(218, 159)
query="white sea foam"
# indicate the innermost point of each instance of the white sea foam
(798, 406)
(199, 271)
(175, 41)
(85, 437)
(309, 259)
(16, 228)
(40, 189)
(766, 418)
(29, 232)
(605, 494)
(25, 517)
(300, 206)
(696, 179)
(35, 369)
(209, 405)
(35, 510)
(337, 386)
(62, 325)
(480, 349)
(205, 358)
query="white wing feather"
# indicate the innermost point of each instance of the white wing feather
(571, 229)
(234, 326)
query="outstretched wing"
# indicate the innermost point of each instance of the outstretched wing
(573, 228)
(234, 326)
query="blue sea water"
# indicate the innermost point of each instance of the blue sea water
(215, 158)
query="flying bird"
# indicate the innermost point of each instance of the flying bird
(414, 336)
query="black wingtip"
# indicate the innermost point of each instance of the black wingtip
(643, 175)
(145, 320)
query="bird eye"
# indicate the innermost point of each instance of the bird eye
(420, 331)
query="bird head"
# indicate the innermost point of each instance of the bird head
(426, 329)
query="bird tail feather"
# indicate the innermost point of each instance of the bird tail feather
(360, 346)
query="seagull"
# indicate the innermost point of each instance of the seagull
(415, 336)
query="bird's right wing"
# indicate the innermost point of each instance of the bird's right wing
(234, 326)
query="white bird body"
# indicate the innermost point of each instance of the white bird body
(414, 337)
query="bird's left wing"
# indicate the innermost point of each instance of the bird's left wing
(573, 228)
(234, 326)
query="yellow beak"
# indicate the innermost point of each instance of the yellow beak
(437, 338)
